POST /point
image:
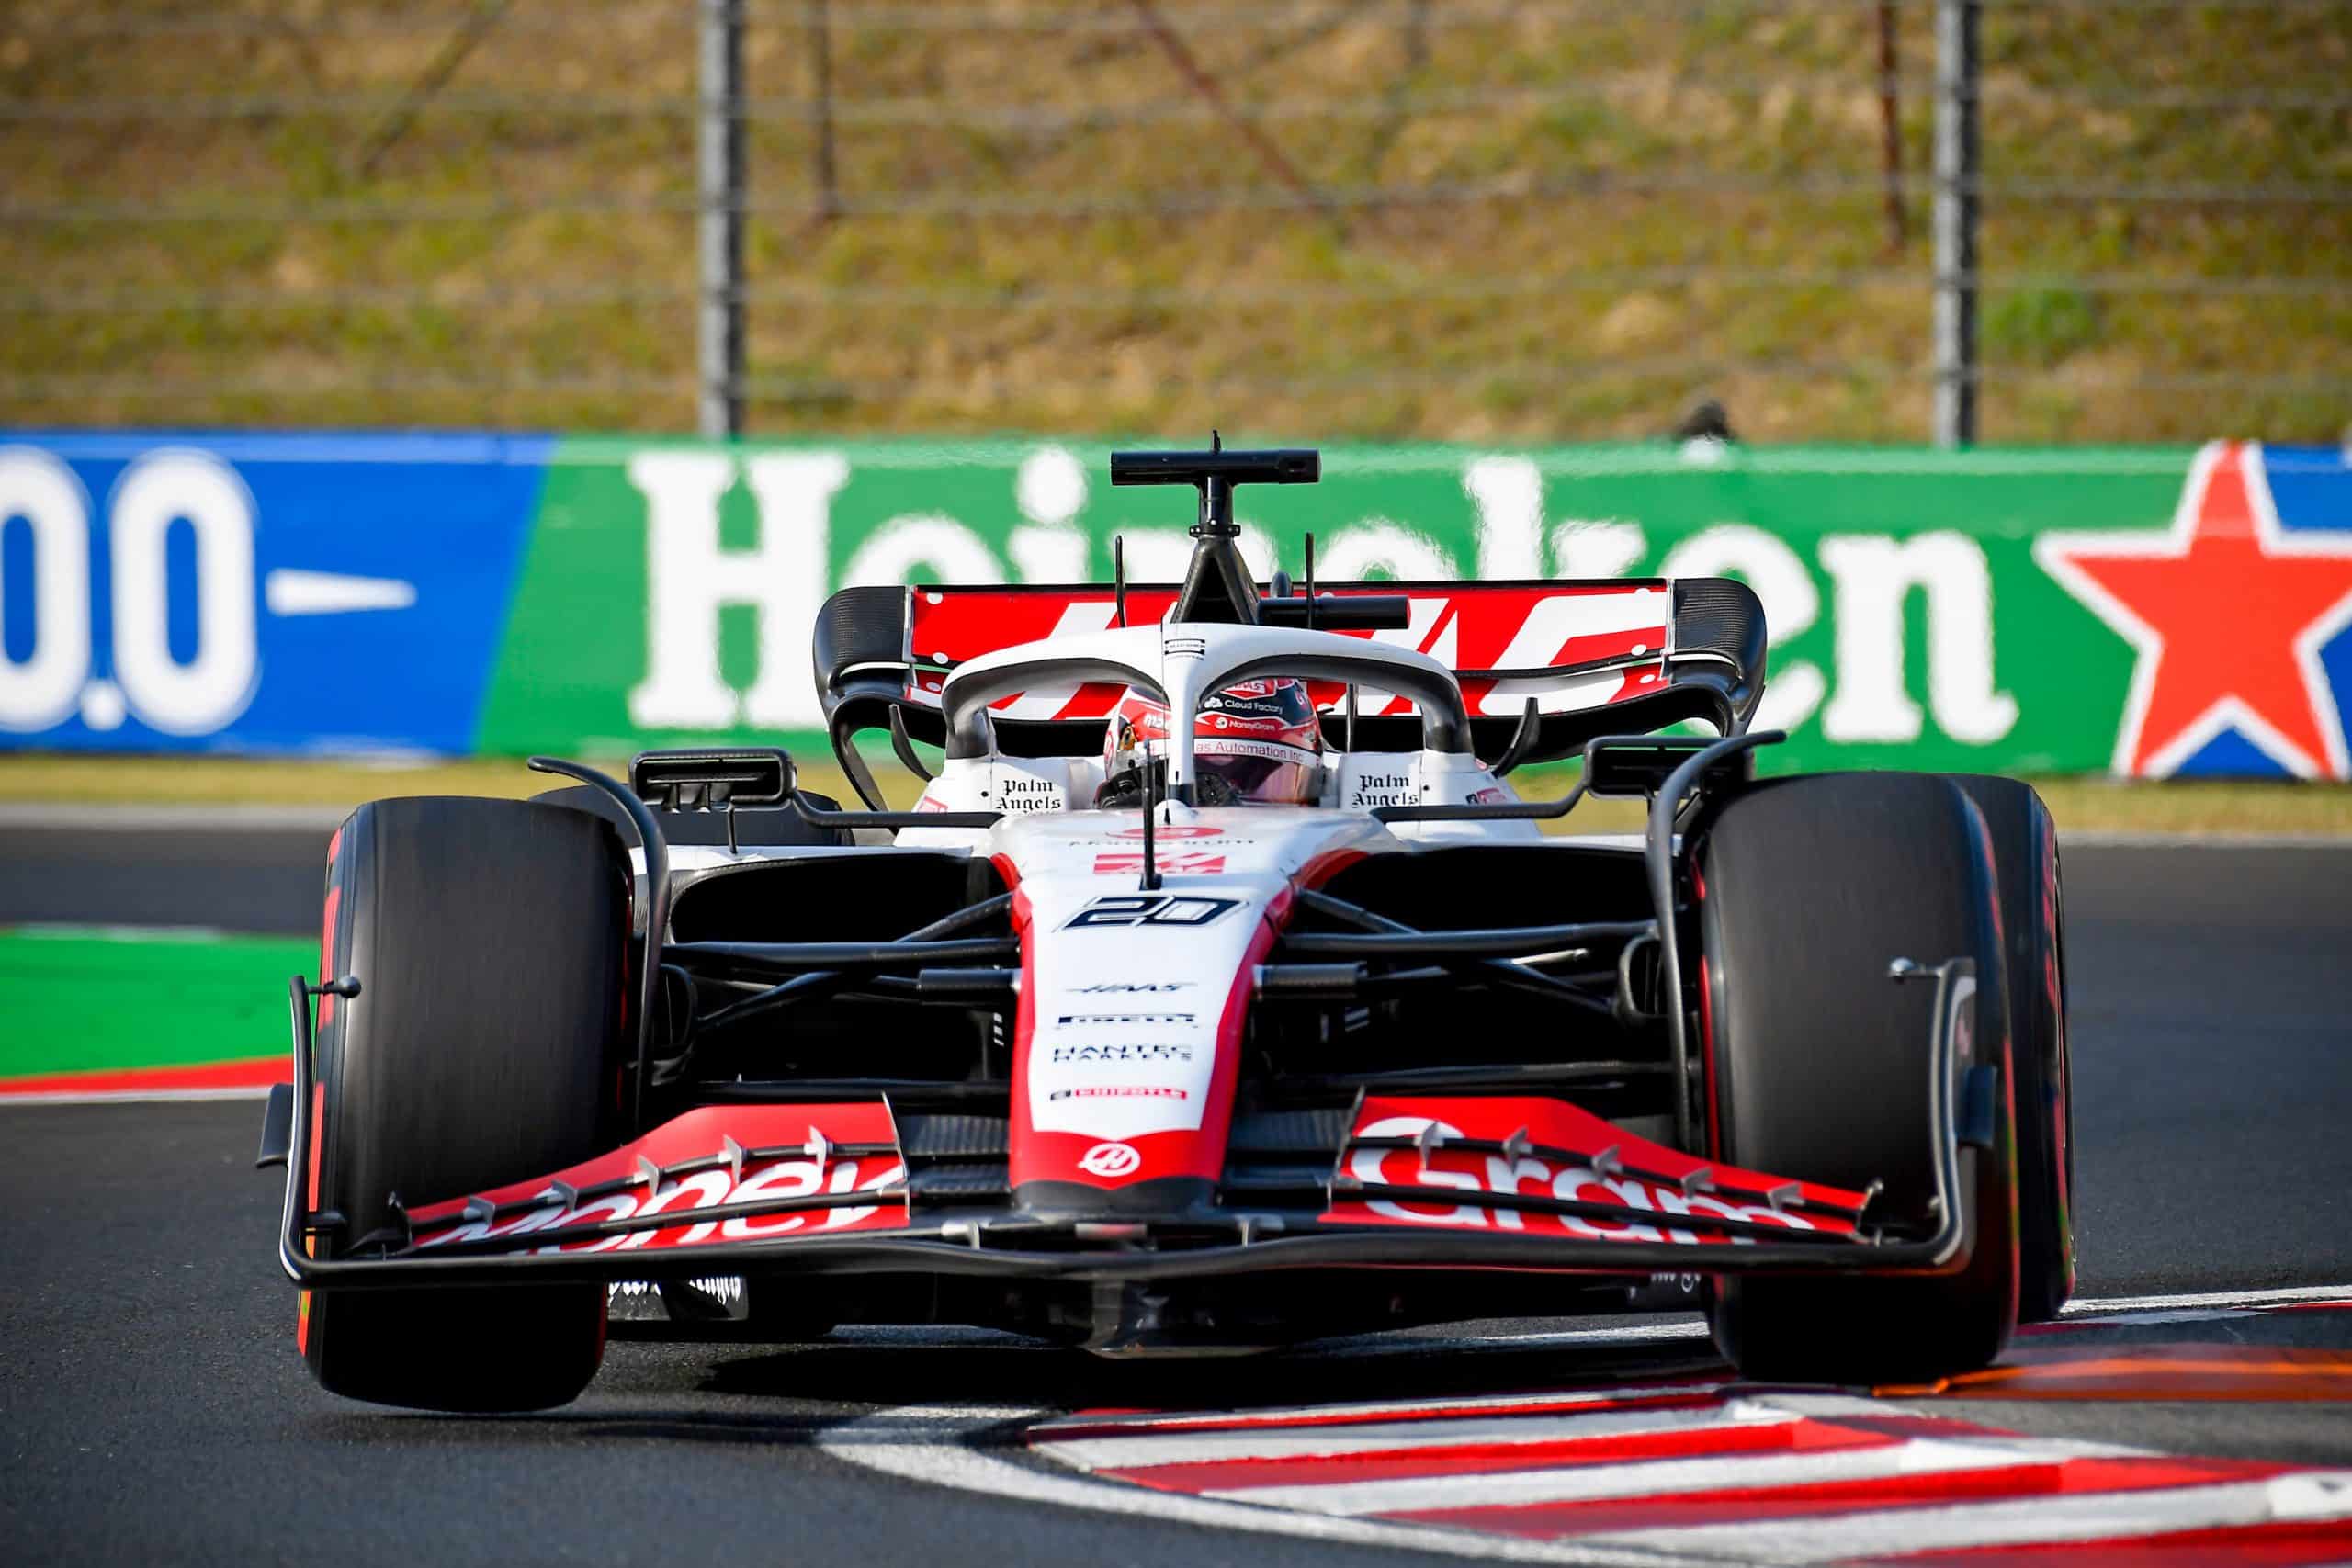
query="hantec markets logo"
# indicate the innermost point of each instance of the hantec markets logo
(1123, 1052)
(2229, 611)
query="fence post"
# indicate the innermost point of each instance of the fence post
(719, 222)
(1955, 220)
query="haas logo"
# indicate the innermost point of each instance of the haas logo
(1110, 1159)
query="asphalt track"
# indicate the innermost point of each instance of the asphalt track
(152, 1405)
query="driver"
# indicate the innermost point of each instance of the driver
(1254, 744)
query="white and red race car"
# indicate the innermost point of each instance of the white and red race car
(1217, 993)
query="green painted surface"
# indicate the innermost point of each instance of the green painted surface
(85, 999)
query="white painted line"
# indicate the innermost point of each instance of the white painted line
(58, 930)
(1385, 1437)
(224, 816)
(1678, 1327)
(931, 1445)
(127, 1096)
(2172, 1315)
(1669, 1477)
(2207, 1299)
(2191, 838)
(1197, 1420)
(2310, 1497)
(1857, 1407)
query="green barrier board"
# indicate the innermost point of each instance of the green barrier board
(1965, 611)
(2143, 611)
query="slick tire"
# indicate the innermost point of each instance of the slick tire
(2025, 864)
(488, 936)
(1817, 1063)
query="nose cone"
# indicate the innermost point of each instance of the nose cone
(1154, 1199)
(1135, 999)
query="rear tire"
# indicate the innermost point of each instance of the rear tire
(1817, 1063)
(488, 936)
(2025, 864)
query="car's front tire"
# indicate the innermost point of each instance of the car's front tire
(488, 936)
(1818, 1064)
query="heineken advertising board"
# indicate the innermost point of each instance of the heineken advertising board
(2145, 611)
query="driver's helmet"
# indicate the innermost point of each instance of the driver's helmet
(1256, 742)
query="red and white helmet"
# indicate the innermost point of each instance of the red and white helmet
(1255, 742)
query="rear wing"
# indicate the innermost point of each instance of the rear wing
(1596, 657)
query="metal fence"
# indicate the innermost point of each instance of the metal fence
(1869, 219)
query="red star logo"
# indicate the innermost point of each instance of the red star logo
(2229, 612)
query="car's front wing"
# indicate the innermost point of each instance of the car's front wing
(1500, 1182)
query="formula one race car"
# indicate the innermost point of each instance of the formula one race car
(1218, 993)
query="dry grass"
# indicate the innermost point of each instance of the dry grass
(1489, 319)
(2079, 804)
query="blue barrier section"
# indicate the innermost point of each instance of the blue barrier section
(166, 592)
(2310, 491)
(2313, 488)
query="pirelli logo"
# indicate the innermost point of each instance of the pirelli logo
(1087, 1018)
